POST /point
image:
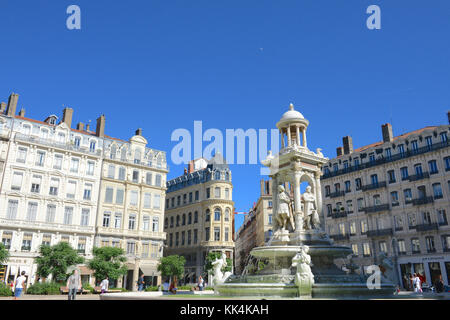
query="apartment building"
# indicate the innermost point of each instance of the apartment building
(245, 240)
(264, 208)
(131, 206)
(199, 214)
(393, 196)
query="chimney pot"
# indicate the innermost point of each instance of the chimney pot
(139, 132)
(100, 129)
(88, 127)
(348, 144)
(12, 104)
(386, 129)
(2, 107)
(340, 151)
(67, 116)
(22, 112)
(80, 126)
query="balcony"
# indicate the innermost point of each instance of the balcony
(422, 201)
(377, 208)
(25, 224)
(340, 237)
(337, 194)
(341, 214)
(427, 227)
(432, 250)
(396, 157)
(416, 177)
(374, 186)
(380, 233)
(25, 248)
(416, 252)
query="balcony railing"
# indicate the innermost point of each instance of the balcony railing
(339, 237)
(377, 208)
(427, 227)
(396, 157)
(380, 233)
(337, 194)
(25, 248)
(340, 214)
(416, 177)
(423, 200)
(374, 186)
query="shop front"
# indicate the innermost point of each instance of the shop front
(430, 269)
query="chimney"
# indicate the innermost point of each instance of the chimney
(22, 112)
(261, 182)
(348, 144)
(67, 116)
(185, 171)
(2, 107)
(387, 132)
(12, 104)
(339, 151)
(100, 129)
(88, 127)
(139, 132)
(80, 126)
(191, 166)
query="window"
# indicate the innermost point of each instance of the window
(345, 164)
(21, 155)
(46, 239)
(227, 214)
(374, 179)
(6, 239)
(329, 210)
(429, 141)
(178, 221)
(217, 214)
(401, 149)
(131, 247)
(360, 203)
(391, 175)
(227, 193)
(177, 239)
(171, 240)
(217, 192)
(394, 198)
(347, 186)
(432, 165)
(197, 193)
(189, 218)
(226, 233)
(327, 191)
(195, 236)
(166, 223)
(414, 146)
(184, 198)
(216, 234)
(74, 164)
(372, 157)
(156, 201)
(122, 173)
(189, 237)
(415, 245)
(388, 153)
(366, 249)
(437, 191)
(32, 211)
(442, 217)
(148, 178)
(145, 250)
(217, 175)
(155, 224)
(109, 195)
(418, 169)
(411, 220)
(137, 156)
(117, 220)
(426, 217)
(443, 137)
(26, 241)
(342, 228)
(401, 246)
(146, 223)
(36, 184)
(363, 226)
(195, 217)
(376, 200)
(207, 215)
(430, 244)
(446, 243)
(131, 222)
(77, 142)
(81, 246)
(383, 246)
(183, 219)
(71, 187)
(40, 158)
(356, 162)
(84, 217)
(133, 197)
(207, 234)
(208, 193)
(135, 176)
(335, 167)
(57, 161)
(355, 249)
(119, 196)
(87, 191)
(171, 222)
(92, 146)
(51, 212)
(16, 183)
(111, 171)
(12, 209)
(158, 180)
(182, 237)
(358, 184)
(147, 200)
(352, 228)
(404, 172)
(178, 200)
(61, 138)
(68, 214)
(408, 195)
(337, 187)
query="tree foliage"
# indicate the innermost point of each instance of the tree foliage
(4, 254)
(212, 256)
(108, 262)
(172, 266)
(55, 260)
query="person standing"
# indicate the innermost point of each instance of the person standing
(141, 283)
(73, 284)
(104, 285)
(20, 285)
(439, 285)
(416, 282)
(200, 283)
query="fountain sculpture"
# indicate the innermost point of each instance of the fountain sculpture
(299, 259)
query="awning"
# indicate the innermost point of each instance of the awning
(149, 270)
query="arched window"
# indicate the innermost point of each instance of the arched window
(190, 218)
(178, 221)
(207, 214)
(113, 151)
(183, 222)
(217, 175)
(171, 222)
(195, 217)
(227, 214)
(227, 176)
(123, 154)
(137, 155)
(166, 223)
(217, 214)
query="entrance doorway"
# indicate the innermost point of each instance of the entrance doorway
(435, 271)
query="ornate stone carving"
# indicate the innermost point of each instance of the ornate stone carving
(304, 278)
(218, 276)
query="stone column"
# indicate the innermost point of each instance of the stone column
(135, 274)
(289, 135)
(274, 195)
(282, 138)
(304, 138)
(298, 135)
(297, 201)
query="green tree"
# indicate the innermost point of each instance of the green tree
(4, 254)
(212, 256)
(171, 266)
(108, 262)
(55, 260)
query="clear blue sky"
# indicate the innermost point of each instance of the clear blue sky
(161, 64)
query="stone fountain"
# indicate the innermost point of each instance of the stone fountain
(298, 262)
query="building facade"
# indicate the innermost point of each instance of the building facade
(199, 214)
(264, 208)
(245, 240)
(393, 196)
(131, 206)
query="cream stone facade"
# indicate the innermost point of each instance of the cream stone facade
(199, 214)
(264, 211)
(393, 197)
(245, 240)
(131, 206)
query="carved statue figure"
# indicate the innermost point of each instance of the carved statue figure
(386, 267)
(218, 264)
(304, 278)
(284, 211)
(312, 220)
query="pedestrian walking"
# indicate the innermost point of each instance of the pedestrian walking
(141, 283)
(73, 284)
(439, 285)
(417, 284)
(20, 285)
(104, 285)
(200, 283)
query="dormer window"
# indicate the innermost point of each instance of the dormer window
(51, 119)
